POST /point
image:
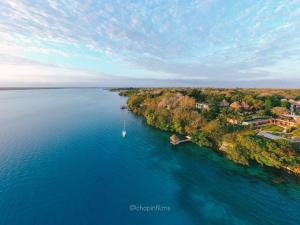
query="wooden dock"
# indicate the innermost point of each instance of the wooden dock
(174, 140)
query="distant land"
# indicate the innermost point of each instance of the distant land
(39, 88)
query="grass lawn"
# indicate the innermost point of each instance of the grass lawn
(296, 132)
(272, 128)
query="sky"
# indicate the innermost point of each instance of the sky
(249, 43)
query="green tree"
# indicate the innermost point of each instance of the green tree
(268, 105)
(285, 104)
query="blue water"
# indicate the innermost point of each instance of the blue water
(63, 161)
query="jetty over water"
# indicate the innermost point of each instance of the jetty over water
(174, 140)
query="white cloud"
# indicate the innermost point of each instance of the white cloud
(205, 39)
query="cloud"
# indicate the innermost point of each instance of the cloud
(197, 40)
(17, 71)
(21, 72)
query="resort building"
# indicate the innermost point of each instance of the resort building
(284, 121)
(241, 106)
(295, 139)
(295, 107)
(270, 136)
(200, 105)
(258, 122)
(246, 106)
(235, 106)
(232, 121)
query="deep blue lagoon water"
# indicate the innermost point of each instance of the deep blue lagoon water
(63, 161)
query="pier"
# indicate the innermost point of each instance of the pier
(174, 140)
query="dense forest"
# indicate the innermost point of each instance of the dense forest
(173, 110)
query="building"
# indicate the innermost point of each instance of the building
(241, 106)
(270, 136)
(235, 106)
(246, 106)
(295, 139)
(295, 107)
(258, 122)
(284, 121)
(232, 121)
(286, 124)
(201, 106)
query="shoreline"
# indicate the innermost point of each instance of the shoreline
(241, 145)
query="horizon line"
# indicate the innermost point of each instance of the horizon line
(137, 87)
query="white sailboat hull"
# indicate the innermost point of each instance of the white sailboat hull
(124, 130)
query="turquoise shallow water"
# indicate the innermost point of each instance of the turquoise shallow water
(63, 161)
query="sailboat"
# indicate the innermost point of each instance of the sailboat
(124, 130)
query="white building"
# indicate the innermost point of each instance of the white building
(200, 105)
(295, 107)
(258, 122)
